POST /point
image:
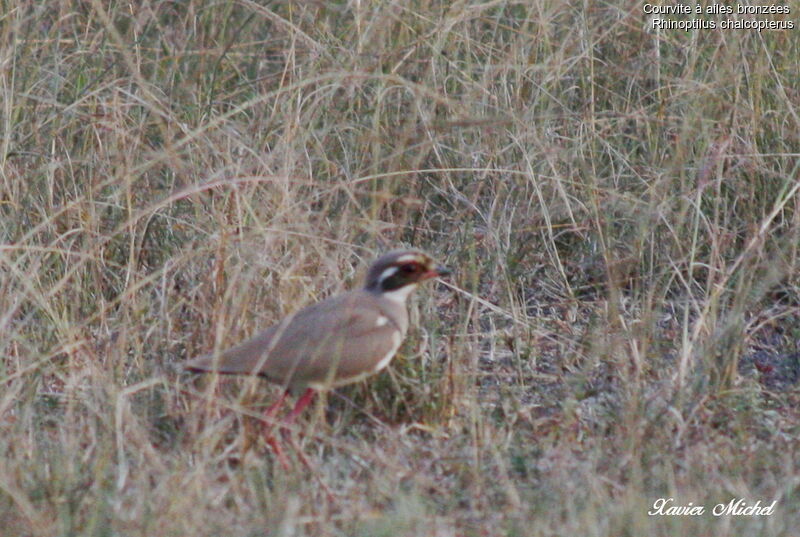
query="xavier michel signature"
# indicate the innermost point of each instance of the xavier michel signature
(735, 507)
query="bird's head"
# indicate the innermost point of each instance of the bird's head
(401, 269)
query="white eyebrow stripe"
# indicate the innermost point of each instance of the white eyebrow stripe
(407, 257)
(388, 273)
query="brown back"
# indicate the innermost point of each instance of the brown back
(323, 344)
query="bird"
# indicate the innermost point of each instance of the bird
(337, 341)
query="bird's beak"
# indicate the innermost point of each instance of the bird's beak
(439, 271)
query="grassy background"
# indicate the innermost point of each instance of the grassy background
(620, 206)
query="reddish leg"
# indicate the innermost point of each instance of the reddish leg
(269, 416)
(301, 404)
(269, 419)
(273, 409)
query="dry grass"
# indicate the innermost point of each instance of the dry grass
(621, 208)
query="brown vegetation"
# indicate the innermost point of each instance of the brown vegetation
(620, 206)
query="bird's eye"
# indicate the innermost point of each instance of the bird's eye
(409, 268)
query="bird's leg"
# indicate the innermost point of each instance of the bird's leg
(269, 413)
(269, 416)
(301, 404)
(269, 420)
